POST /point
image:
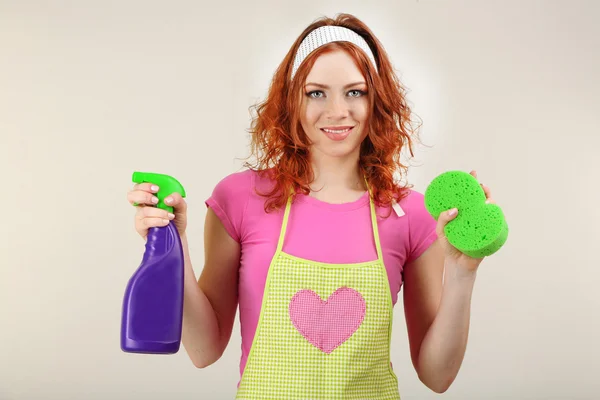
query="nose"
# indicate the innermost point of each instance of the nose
(337, 108)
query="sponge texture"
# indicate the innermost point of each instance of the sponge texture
(479, 230)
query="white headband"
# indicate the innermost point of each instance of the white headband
(328, 34)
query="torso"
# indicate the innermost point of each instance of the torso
(324, 329)
(317, 231)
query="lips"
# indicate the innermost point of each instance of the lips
(337, 133)
(337, 129)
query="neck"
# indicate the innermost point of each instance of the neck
(336, 180)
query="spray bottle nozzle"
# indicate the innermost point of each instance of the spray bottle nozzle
(166, 186)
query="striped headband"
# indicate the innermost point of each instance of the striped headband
(327, 34)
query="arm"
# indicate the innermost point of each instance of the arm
(437, 316)
(210, 303)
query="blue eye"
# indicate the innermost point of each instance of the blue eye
(317, 94)
(358, 93)
(313, 93)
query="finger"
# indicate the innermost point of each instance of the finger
(177, 202)
(488, 194)
(486, 190)
(154, 222)
(154, 212)
(141, 197)
(443, 219)
(141, 187)
(146, 187)
(474, 174)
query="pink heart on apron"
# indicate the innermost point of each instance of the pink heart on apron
(326, 324)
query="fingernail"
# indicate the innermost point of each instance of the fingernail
(452, 212)
(171, 215)
(166, 221)
(154, 188)
(168, 200)
(155, 200)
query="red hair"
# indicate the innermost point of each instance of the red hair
(281, 147)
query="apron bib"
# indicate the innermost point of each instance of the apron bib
(323, 332)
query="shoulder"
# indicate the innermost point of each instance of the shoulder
(235, 199)
(410, 206)
(244, 182)
(412, 199)
(421, 225)
(413, 205)
(229, 199)
(235, 183)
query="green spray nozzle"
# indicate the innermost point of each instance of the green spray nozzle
(166, 186)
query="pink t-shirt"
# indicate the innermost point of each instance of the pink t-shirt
(319, 231)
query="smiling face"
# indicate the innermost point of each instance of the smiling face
(335, 107)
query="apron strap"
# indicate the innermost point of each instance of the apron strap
(284, 223)
(374, 223)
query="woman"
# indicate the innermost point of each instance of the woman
(315, 239)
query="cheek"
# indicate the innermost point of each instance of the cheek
(361, 112)
(312, 114)
(309, 118)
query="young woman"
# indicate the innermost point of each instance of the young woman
(315, 239)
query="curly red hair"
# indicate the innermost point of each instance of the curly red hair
(281, 148)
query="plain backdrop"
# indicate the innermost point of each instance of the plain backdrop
(91, 91)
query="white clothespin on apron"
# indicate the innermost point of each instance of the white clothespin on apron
(397, 209)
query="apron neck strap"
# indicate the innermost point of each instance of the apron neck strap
(374, 223)
(284, 223)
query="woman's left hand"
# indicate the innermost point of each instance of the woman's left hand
(452, 254)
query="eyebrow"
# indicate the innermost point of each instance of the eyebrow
(327, 87)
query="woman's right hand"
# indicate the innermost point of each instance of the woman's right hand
(148, 215)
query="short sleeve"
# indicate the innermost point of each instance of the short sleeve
(421, 225)
(229, 200)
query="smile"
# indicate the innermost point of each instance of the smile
(338, 133)
(338, 130)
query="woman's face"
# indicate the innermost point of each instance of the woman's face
(335, 106)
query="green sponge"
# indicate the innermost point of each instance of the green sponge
(480, 229)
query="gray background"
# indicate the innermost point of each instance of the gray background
(92, 90)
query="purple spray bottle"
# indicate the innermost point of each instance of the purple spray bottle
(153, 304)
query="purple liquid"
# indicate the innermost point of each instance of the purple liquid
(153, 304)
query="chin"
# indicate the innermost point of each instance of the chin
(339, 151)
(323, 144)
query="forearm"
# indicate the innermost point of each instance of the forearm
(200, 336)
(443, 348)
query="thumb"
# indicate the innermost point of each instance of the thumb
(443, 219)
(177, 202)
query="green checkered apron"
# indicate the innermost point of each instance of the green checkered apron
(323, 332)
